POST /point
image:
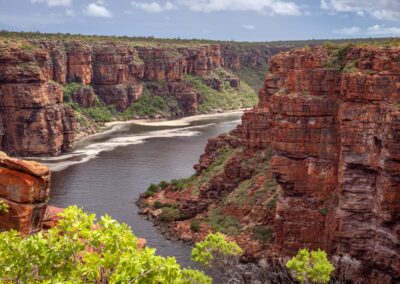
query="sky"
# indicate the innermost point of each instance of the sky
(240, 20)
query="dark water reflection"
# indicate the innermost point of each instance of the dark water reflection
(112, 181)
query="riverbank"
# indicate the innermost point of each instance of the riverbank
(109, 127)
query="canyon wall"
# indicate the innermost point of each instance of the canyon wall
(335, 132)
(34, 119)
(25, 189)
(314, 165)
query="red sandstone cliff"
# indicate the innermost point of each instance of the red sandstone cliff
(34, 119)
(25, 188)
(316, 163)
(337, 141)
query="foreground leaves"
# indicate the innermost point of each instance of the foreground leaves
(311, 267)
(79, 250)
(214, 245)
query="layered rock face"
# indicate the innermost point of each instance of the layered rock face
(25, 188)
(34, 120)
(316, 164)
(336, 137)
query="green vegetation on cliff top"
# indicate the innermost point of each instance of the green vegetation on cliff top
(150, 40)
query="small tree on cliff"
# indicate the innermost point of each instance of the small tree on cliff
(311, 267)
(79, 250)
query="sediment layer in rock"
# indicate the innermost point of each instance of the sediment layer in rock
(25, 189)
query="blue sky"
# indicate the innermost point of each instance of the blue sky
(246, 20)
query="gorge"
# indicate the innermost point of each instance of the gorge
(54, 90)
(314, 164)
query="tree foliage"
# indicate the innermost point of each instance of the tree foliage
(78, 250)
(311, 267)
(214, 244)
(4, 207)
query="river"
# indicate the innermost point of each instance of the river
(107, 172)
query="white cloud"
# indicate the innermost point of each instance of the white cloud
(380, 9)
(154, 7)
(382, 30)
(70, 12)
(270, 7)
(249, 27)
(348, 31)
(95, 10)
(53, 3)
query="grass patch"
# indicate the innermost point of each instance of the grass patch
(225, 224)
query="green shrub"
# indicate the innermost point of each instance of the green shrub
(151, 190)
(4, 208)
(195, 226)
(204, 251)
(163, 184)
(157, 204)
(148, 105)
(71, 88)
(262, 233)
(169, 214)
(99, 113)
(178, 184)
(311, 267)
(72, 252)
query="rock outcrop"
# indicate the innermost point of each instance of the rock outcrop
(34, 120)
(317, 164)
(25, 189)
